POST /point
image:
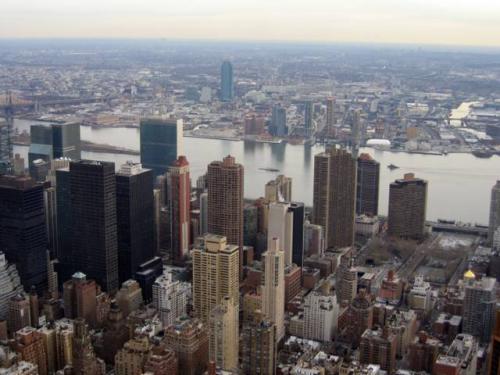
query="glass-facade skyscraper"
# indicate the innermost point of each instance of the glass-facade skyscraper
(23, 235)
(226, 82)
(278, 122)
(54, 141)
(135, 218)
(161, 143)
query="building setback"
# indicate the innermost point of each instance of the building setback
(215, 274)
(407, 207)
(334, 196)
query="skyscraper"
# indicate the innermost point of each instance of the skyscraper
(54, 141)
(215, 274)
(223, 333)
(321, 313)
(66, 141)
(407, 207)
(10, 285)
(94, 224)
(278, 126)
(298, 211)
(379, 347)
(330, 115)
(23, 234)
(334, 196)
(254, 124)
(308, 117)
(258, 354)
(494, 364)
(189, 340)
(279, 189)
(225, 200)
(85, 361)
(170, 298)
(203, 213)
(281, 228)
(494, 211)
(479, 306)
(367, 185)
(161, 143)
(226, 82)
(179, 201)
(135, 218)
(63, 202)
(273, 287)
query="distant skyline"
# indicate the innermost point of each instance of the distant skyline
(449, 22)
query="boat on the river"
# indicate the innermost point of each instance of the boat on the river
(484, 154)
(392, 167)
(269, 169)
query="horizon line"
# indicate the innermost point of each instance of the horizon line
(251, 41)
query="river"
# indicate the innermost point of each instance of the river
(459, 184)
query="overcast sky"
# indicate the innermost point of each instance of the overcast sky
(463, 22)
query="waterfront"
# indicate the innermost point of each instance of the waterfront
(459, 184)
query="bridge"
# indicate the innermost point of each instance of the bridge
(38, 102)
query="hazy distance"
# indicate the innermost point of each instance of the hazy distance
(454, 22)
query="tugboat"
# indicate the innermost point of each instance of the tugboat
(392, 167)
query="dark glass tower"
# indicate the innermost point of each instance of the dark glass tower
(66, 141)
(161, 143)
(226, 82)
(41, 145)
(23, 236)
(54, 141)
(308, 116)
(278, 122)
(367, 185)
(298, 233)
(93, 221)
(135, 217)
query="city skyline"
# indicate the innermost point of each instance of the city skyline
(385, 21)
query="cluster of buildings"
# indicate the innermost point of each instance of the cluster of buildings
(136, 270)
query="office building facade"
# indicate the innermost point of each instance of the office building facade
(273, 287)
(334, 196)
(135, 218)
(93, 221)
(407, 207)
(179, 199)
(367, 186)
(226, 82)
(225, 200)
(161, 143)
(23, 233)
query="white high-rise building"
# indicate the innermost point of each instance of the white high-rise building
(420, 295)
(10, 285)
(321, 313)
(170, 298)
(273, 286)
(280, 226)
